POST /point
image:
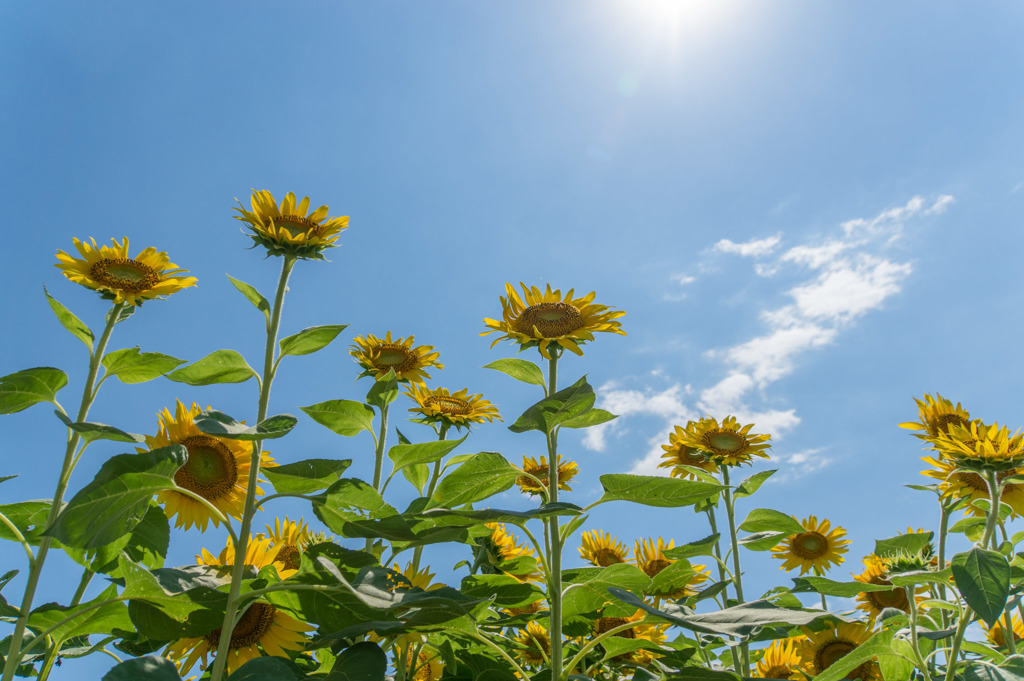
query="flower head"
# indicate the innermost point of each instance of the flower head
(873, 602)
(602, 549)
(287, 229)
(217, 469)
(780, 660)
(499, 552)
(980, 447)
(653, 633)
(540, 318)
(995, 633)
(936, 414)
(567, 470)
(820, 650)
(651, 559)
(956, 483)
(379, 356)
(728, 444)
(815, 549)
(291, 539)
(679, 454)
(535, 642)
(117, 277)
(460, 409)
(428, 664)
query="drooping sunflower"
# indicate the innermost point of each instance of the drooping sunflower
(118, 277)
(291, 539)
(262, 628)
(815, 549)
(602, 549)
(379, 356)
(535, 640)
(780, 660)
(567, 470)
(995, 633)
(936, 415)
(678, 454)
(873, 602)
(820, 650)
(728, 444)
(955, 483)
(287, 229)
(540, 318)
(459, 409)
(217, 469)
(980, 447)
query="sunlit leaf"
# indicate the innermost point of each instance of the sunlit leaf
(222, 366)
(22, 389)
(565, 404)
(132, 366)
(219, 424)
(481, 476)
(310, 340)
(307, 476)
(69, 321)
(344, 417)
(655, 490)
(425, 452)
(983, 579)
(519, 369)
(253, 296)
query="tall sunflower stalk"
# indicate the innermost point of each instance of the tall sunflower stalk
(553, 536)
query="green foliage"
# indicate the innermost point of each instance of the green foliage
(384, 391)
(20, 390)
(403, 455)
(481, 476)
(344, 417)
(592, 594)
(983, 579)
(267, 669)
(362, 662)
(221, 425)
(253, 296)
(655, 490)
(519, 369)
(132, 366)
(310, 340)
(69, 321)
(222, 366)
(143, 669)
(307, 476)
(556, 409)
(90, 432)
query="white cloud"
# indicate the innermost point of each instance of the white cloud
(799, 464)
(770, 357)
(682, 279)
(816, 256)
(755, 248)
(850, 288)
(941, 204)
(666, 404)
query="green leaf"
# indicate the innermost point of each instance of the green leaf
(105, 619)
(222, 366)
(655, 490)
(593, 417)
(519, 369)
(704, 674)
(873, 647)
(823, 585)
(306, 476)
(480, 477)
(426, 452)
(471, 517)
(899, 667)
(767, 520)
(147, 544)
(117, 498)
(983, 579)
(349, 500)
(253, 296)
(173, 603)
(219, 424)
(22, 389)
(28, 516)
(99, 431)
(592, 594)
(70, 322)
(362, 662)
(122, 315)
(384, 391)
(266, 669)
(672, 579)
(752, 484)
(978, 670)
(565, 404)
(418, 475)
(131, 366)
(504, 590)
(143, 669)
(344, 417)
(762, 541)
(310, 340)
(905, 543)
(701, 547)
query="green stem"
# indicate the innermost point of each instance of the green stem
(20, 537)
(88, 396)
(717, 549)
(435, 474)
(378, 459)
(554, 537)
(487, 642)
(737, 577)
(943, 531)
(914, 640)
(238, 569)
(595, 641)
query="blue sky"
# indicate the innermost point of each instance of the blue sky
(809, 212)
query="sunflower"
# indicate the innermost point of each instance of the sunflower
(820, 650)
(602, 549)
(955, 483)
(677, 454)
(980, 447)
(460, 409)
(261, 627)
(288, 229)
(217, 470)
(814, 549)
(547, 317)
(259, 553)
(427, 667)
(117, 277)
(501, 547)
(873, 602)
(995, 633)
(651, 559)
(291, 539)
(936, 414)
(780, 660)
(539, 469)
(536, 644)
(655, 633)
(379, 356)
(728, 444)
(418, 579)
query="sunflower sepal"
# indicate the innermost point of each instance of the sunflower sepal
(219, 424)
(553, 410)
(75, 326)
(119, 314)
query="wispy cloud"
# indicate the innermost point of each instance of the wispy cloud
(844, 277)
(683, 280)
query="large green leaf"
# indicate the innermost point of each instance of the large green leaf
(307, 476)
(222, 366)
(219, 424)
(143, 669)
(344, 417)
(28, 516)
(267, 669)
(70, 322)
(253, 296)
(701, 547)
(912, 542)
(384, 390)
(592, 594)
(519, 369)
(425, 452)
(875, 646)
(829, 587)
(767, 520)
(22, 389)
(98, 431)
(506, 591)
(752, 483)
(481, 476)
(350, 499)
(310, 340)
(591, 417)
(104, 619)
(654, 490)
(117, 498)
(172, 603)
(983, 579)
(362, 662)
(470, 517)
(565, 404)
(147, 544)
(131, 366)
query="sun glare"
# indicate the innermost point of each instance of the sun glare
(678, 21)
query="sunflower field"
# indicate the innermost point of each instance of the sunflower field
(345, 592)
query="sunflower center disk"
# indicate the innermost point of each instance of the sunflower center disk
(210, 471)
(831, 653)
(897, 598)
(124, 274)
(394, 357)
(606, 557)
(448, 405)
(974, 481)
(296, 225)
(657, 565)
(551, 320)
(810, 545)
(725, 443)
(250, 629)
(778, 672)
(606, 624)
(291, 556)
